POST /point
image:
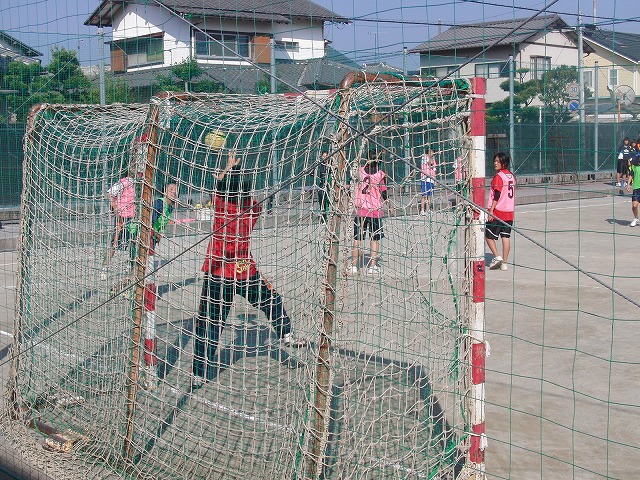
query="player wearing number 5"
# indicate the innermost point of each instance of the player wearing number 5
(501, 211)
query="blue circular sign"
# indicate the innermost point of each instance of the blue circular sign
(574, 105)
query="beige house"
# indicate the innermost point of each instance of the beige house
(544, 43)
(618, 60)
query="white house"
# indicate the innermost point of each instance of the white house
(13, 50)
(543, 43)
(151, 35)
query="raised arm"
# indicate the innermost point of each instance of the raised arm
(232, 161)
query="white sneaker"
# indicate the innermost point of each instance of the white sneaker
(503, 266)
(352, 270)
(149, 380)
(495, 263)
(103, 274)
(634, 222)
(289, 341)
(375, 269)
(197, 381)
(423, 213)
(618, 184)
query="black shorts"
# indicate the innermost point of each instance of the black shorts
(496, 229)
(635, 195)
(362, 225)
(623, 166)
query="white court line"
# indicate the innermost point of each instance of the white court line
(574, 207)
(237, 413)
(10, 263)
(8, 287)
(7, 334)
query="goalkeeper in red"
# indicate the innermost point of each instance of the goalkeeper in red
(501, 211)
(230, 270)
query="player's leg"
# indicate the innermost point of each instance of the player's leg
(376, 234)
(265, 297)
(322, 202)
(215, 302)
(506, 247)
(373, 261)
(423, 197)
(634, 206)
(621, 172)
(358, 236)
(112, 248)
(491, 234)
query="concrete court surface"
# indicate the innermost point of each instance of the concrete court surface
(563, 371)
(563, 368)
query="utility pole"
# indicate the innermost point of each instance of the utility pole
(103, 99)
(404, 61)
(272, 45)
(596, 116)
(511, 114)
(580, 69)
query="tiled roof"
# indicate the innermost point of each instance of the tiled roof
(283, 11)
(479, 35)
(17, 47)
(625, 44)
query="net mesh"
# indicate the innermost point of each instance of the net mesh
(103, 362)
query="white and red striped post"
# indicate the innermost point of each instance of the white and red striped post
(478, 350)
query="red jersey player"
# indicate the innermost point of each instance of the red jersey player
(501, 211)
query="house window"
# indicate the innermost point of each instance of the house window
(440, 71)
(210, 44)
(292, 47)
(539, 65)
(492, 70)
(141, 50)
(613, 77)
(587, 78)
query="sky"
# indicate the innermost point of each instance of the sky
(378, 32)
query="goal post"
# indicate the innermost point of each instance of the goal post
(384, 387)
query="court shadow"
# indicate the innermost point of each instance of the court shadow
(251, 338)
(618, 221)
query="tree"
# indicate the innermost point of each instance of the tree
(29, 85)
(264, 86)
(67, 77)
(186, 71)
(116, 91)
(62, 81)
(550, 90)
(524, 93)
(554, 91)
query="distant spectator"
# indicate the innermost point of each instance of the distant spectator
(624, 159)
(428, 172)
